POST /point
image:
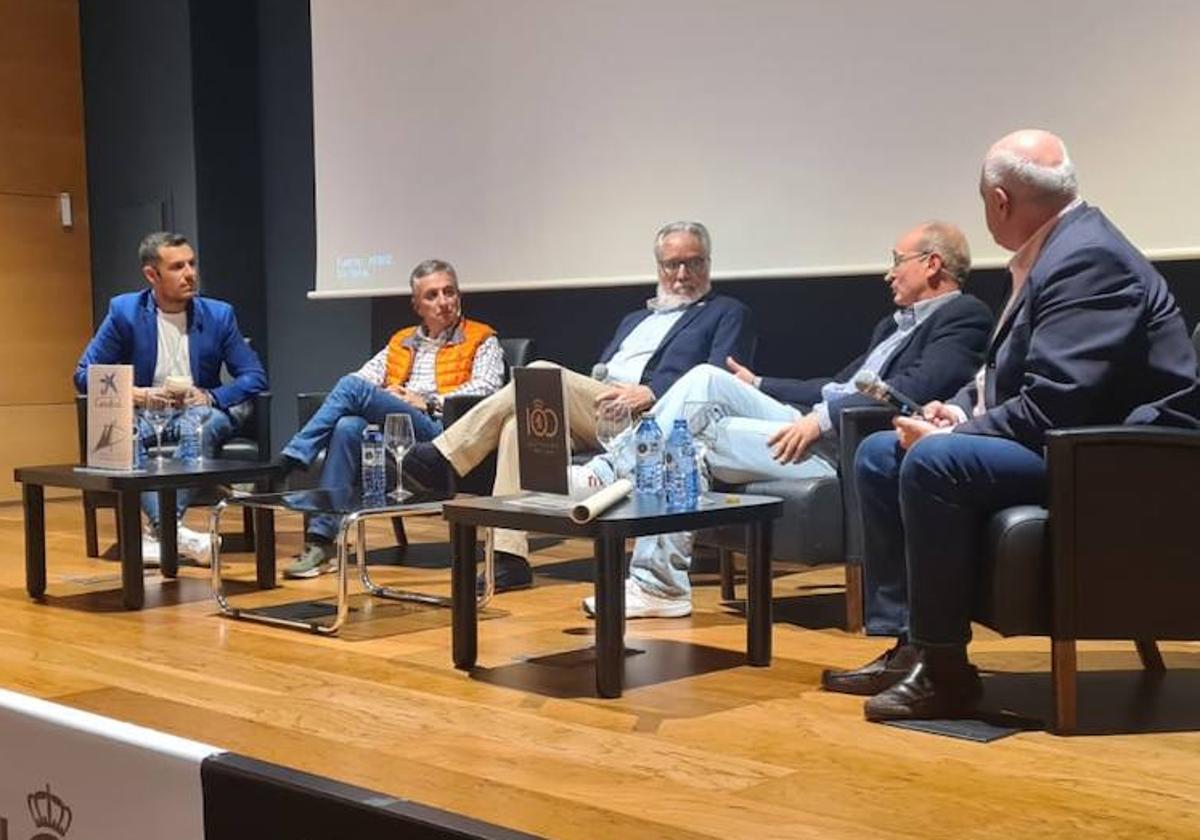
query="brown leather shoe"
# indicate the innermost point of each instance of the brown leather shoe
(880, 673)
(929, 692)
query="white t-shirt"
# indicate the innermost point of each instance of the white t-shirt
(173, 356)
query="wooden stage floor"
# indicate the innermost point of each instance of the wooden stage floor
(700, 746)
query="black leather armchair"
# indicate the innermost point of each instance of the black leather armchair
(1113, 555)
(251, 442)
(819, 523)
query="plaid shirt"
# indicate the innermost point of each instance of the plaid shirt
(487, 369)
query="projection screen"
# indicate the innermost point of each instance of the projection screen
(539, 143)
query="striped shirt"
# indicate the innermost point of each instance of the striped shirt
(487, 369)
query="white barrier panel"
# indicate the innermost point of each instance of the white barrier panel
(71, 774)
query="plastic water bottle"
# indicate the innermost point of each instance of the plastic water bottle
(648, 472)
(188, 448)
(374, 469)
(679, 465)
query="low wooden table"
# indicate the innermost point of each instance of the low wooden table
(634, 517)
(165, 479)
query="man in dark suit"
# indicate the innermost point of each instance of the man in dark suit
(169, 330)
(1090, 336)
(758, 428)
(682, 326)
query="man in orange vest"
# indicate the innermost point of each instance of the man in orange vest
(446, 354)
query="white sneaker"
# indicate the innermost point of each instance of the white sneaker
(642, 604)
(582, 481)
(151, 552)
(194, 546)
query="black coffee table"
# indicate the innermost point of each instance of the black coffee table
(633, 517)
(165, 479)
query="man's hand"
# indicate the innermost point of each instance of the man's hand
(740, 371)
(637, 397)
(912, 429)
(411, 397)
(790, 444)
(197, 396)
(940, 414)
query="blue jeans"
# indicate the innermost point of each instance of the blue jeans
(217, 430)
(924, 513)
(338, 426)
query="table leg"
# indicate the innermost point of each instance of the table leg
(129, 536)
(464, 629)
(264, 547)
(33, 499)
(758, 593)
(610, 615)
(264, 538)
(168, 532)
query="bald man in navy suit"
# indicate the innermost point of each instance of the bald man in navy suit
(1090, 335)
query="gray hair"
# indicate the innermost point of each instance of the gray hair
(949, 243)
(148, 250)
(1007, 168)
(694, 228)
(427, 267)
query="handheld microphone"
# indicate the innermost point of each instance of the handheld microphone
(867, 382)
(600, 372)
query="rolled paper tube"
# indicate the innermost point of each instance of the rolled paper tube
(600, 501)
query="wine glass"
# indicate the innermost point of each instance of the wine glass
(157, 412)
(398, 438)
(612, 421)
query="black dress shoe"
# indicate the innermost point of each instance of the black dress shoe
(285, 465)
(426, 471)
(879, 674)
(512, 572)
(929, 692)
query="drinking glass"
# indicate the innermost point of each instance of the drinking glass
(157, 412)
(199, 415)
(398, 438)
(612, 421)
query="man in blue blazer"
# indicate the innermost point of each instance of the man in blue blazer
(685, 324)
(1090, 336)
(169, 330)
(760, 428)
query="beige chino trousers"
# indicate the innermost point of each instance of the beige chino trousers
(492, 425)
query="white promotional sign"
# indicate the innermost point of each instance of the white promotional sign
(110, 417)
(68, 774)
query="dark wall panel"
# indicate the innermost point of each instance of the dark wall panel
(224, 42)
(310, 343)
(139, 129)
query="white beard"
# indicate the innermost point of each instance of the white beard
(669, 300)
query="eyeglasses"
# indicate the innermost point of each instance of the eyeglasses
(694, 265)
(900, 259)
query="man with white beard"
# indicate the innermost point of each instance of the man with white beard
(682, 326)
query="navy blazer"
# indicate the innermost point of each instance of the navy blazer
(1094, 338)
(714, 327)
(129, 335)
(932, 362)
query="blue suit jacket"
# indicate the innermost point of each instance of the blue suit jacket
(1095, 338)
(709, 330)
(129, 335)
(932, 362)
